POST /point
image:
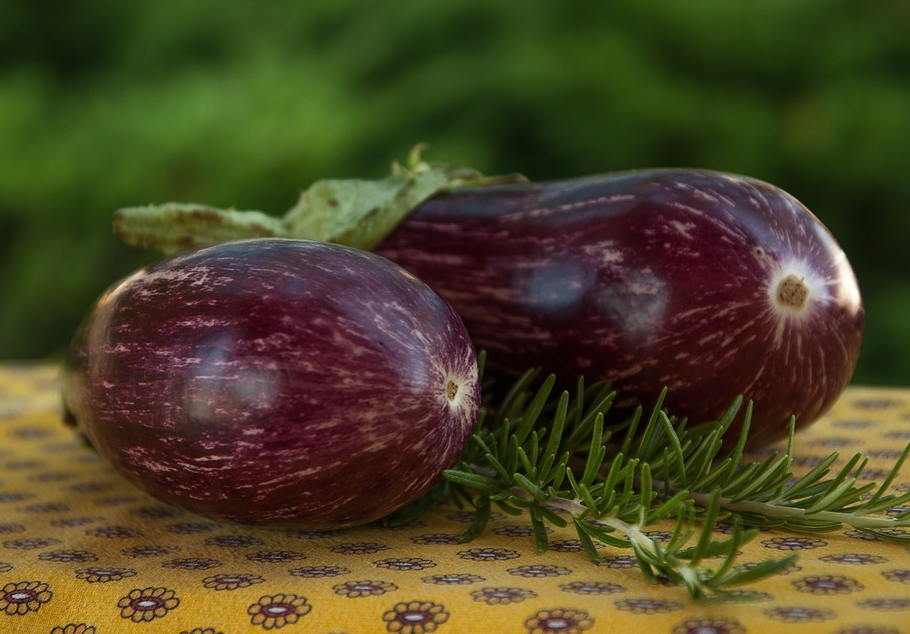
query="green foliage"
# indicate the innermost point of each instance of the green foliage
(106, 105)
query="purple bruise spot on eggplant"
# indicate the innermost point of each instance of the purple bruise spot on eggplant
(276, 381)
(709, 284)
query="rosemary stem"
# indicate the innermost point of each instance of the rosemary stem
(767, 509)
(639, 539)
(633, 532)
(577, 510)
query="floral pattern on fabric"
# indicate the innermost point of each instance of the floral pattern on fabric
(147, 604)
(81, 549)
(415, 617)
(559, 621)
(23, 597)
(502, 595)
(368, 588)
(276, 611)
(74, 628)
(231, 582)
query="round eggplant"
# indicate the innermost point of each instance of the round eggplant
(275, 381)
(711, 285)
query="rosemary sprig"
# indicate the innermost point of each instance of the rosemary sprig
(553, 459)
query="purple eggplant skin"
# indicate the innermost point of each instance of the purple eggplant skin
(709, 284)
(275, 381)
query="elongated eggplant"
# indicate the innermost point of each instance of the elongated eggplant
(709, 284)
(276, 381)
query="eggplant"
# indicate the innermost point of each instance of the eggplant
(710, 285)
(275, 381)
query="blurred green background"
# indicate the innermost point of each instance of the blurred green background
(105, 104)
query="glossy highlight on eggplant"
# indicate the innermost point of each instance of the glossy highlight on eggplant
(709, 284)
(275, 381)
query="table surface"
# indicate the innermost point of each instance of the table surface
(83, 552)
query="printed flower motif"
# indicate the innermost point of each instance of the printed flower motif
(618, 561)
(852, 423)
(827, 584)
(798, 614)
(11, 528)
(559, 620)
(29, 433)
(900, 576)
(794, 543)
(539, 570)
(488, 554)
(405, 563)
(723, 528)
(502, 595)
(415, 617)
(67, 556)
(460, 579)
(118, 500)
(869, 630)
(191, 528)
(660, 536)
(592, 587)
(437, 538)
(876, 403)
(358, 589)
(15, 496)
(302, 533)
(23, 597)
(647, 606)
(231, 582)
(30, 543)
(807, 461)
(317, 572)
(833, 442)
(46, 507)
(5, 567)
(857, 559)
(74, 628)
(710, 626)
(156, 512)
(22, 465)
(234, 541)
(359, 548)
(90, 487)
(114, 532)
(103, 575)
(886, 454)
(147, 604)
(272, 612)
(201, 630)
(70, 522)
(275, 556)
(896, 603)
(191, 563)
(140, 552)
(517, 530)
(468, 516)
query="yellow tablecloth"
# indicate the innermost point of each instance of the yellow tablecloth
(83, 552)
